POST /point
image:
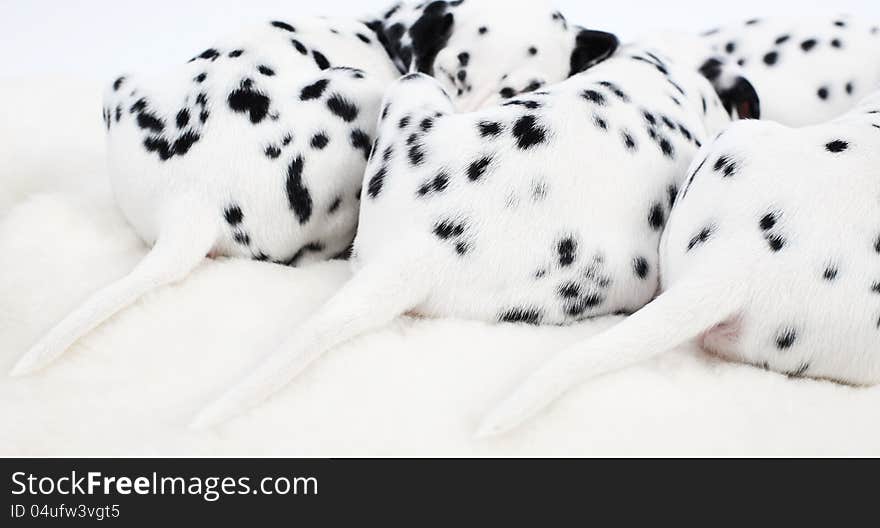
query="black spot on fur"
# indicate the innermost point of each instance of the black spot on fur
(319, 140)
(435, 185)
(616, 90)
(836, 146)
(233, 215)
(666, 148)
(800, 371)
(182, 118)
(448, 229)
(577, 306)
(489, 128)
(360, 140)
(657, 217)
(775, 241)
(209, 54)
(641, 267)
(594, 97)
(629, 142)
(416, 154)
(283, 25)
(507, 92)
(477, 169)
(830, 273)
(521, 315)
(149, 121)
(726, 166)
(531, 105)
(272, 152)
(671, 194)
(247, 100)
(566, 249)
(299, 46)
(768, 221)
(701, 238)
(314, 90)
(527, 132)
(786, 338)
(298, 195)
(320, 60)
(342, 107)
(374, 187)
(183, 143)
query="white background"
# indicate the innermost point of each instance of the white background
(100, 38)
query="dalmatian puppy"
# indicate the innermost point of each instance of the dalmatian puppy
(805, 71)
(771, 257)
(255, 148)
(544, 210)
(485, 51)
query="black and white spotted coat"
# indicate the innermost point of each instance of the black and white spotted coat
(771, 257)
(799, 208)
(268, 129)
(545, 210)
(485, 51)
(804, 70)
(550, 207)
(255, 148)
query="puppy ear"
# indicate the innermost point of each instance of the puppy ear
(743, 98)
(735, 91)
(391, 48)
(590, 48)
(429, 35)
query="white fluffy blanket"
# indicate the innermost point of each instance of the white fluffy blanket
(418, 387)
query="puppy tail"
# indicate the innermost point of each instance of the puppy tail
(682, 313)
(378, 293)
(183, 243)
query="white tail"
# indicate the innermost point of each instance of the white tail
(377, 294)
(682, 313)
(181, 246)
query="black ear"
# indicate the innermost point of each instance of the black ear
(743, 98)
(391, 48)
(591, 47)
(735, 91)
(429, 35)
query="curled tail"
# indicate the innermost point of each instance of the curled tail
(383, 290)
(182, 244)
(682, 313)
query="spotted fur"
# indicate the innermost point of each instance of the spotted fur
(254, 148)
(775, 263)
(530, 212)
(485, 51)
